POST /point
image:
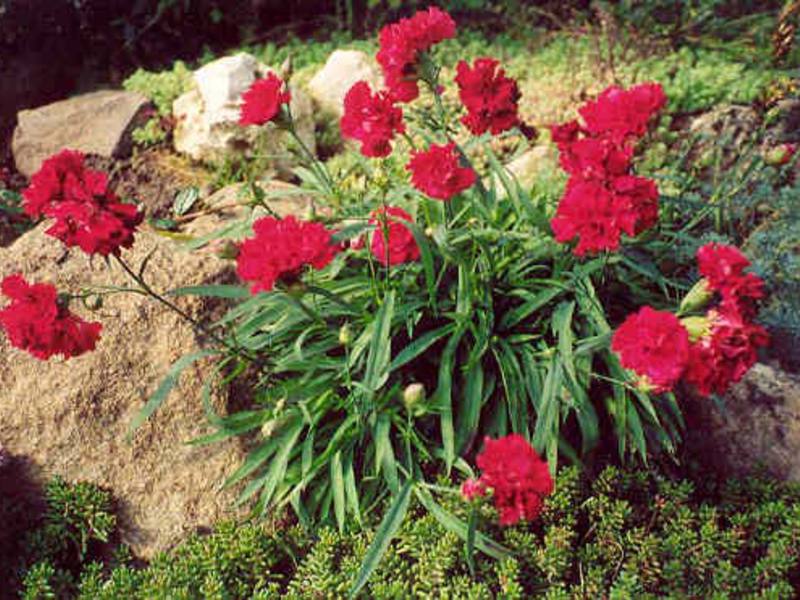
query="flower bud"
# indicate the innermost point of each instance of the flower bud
(698, 327)
(345, 335)
(94, 302)
(413, 395)
(429, 231)
(228, 251)
(697, 297)
(780, 155)
(472, 488)
(268, 428)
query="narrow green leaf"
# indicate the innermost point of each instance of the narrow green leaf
(380, 347)
(419, 345)
(452, 523)
(386, 531)
(337, 482)
(165, 387)
(212, 291)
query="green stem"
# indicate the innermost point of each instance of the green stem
(197, 325)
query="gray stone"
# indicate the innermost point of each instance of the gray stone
(757, 428)
(95, 123)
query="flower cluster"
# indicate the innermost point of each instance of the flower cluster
(280, 249)
(372, 119)
(728, 345)
(602, 199)
(38, 321)
(438, 173)
(518, 478)
(402, 42)
(710, 352)
(262, 102)
(489, 96)
(86, 212)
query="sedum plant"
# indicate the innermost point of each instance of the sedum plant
(382, 343)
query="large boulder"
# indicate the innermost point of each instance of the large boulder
(755, 429)
(95, 123)
(71, 418)
(343, 68)
(207, 117)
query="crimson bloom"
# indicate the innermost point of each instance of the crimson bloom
(723, 267)
(373, 119)
(722, 357)
(401, 247)
(400, 46)
(519, 479)
(488, 95)
(263, 99)
(280, 250)
(36, 321)
(593, 214)
(655, 345)
(86, 212)
(619, 114)
(437, 172)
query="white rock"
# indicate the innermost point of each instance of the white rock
(342, 69)
(207, 117)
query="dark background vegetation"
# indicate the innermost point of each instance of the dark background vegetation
(52, 48)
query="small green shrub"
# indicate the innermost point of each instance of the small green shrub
(77, 524)
(621, 534)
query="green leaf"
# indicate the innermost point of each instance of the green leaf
(184, 200)
(420, 345)
(380, 347)
(212, 291)
(444, 397)
(452, 523)
(337, 481)
(469, 412)
(386, 531)
(165, 387)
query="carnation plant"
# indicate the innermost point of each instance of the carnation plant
(447, 315)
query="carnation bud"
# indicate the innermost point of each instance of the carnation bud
(697, 297)
(268, 428)
(780, 155)
(228, 251)
(345, 335)
(698, 327)
(94, 302)
(296, 288)
(429, 231)
(413, 395)
(472, 488)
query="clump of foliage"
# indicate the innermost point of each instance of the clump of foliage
(77, 527)
(162, 88)
(624, 533)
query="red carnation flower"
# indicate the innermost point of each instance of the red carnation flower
(592, 158)
(437, 172)
(642, 196)
(518, 478)
(724, 356)
(87, 213)
(402, 246)
(594, 215)
(723, 267)
(373, 119)
(37, 322)
(262, 101)
(280, 250)
(47, 184)
(655, 345)
(619, 114)
(400, 46)
(488, 95)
